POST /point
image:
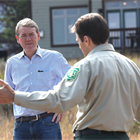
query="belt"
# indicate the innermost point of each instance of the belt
(33, 118)
(87, 131)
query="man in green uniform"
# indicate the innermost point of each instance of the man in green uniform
(104, 85)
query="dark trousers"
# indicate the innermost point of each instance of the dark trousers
(104, 136)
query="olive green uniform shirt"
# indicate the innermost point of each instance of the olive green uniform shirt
(104, 85)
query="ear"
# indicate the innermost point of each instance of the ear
(17, 39)
(38, 36)
(87, 40)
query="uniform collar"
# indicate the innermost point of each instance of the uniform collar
(103, 47)
(38, 52)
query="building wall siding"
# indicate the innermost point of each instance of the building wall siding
(41, 15)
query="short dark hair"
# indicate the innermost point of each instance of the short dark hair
(92, 25)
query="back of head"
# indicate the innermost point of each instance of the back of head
(26, 22)
(94, 26)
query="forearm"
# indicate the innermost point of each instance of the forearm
(39, 101)
(59, 100)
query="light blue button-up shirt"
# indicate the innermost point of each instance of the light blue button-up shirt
(41, 73)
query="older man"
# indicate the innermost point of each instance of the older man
(34, 69)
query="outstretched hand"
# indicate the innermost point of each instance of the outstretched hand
(6, 93)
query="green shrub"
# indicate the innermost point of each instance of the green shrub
(1, 75)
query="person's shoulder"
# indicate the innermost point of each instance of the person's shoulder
(15, 56)
(82, 62)
(122, 57)
(128, 60)
(52, 53)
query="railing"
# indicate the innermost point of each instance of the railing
(125, 40)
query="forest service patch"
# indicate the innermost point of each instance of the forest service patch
(72, 74)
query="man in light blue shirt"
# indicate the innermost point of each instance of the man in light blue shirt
(34, 69)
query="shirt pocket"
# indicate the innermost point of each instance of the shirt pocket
(45, 79)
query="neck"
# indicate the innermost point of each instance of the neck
(30, 54)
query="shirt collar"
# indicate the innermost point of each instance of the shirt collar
(103, 47)
(38, 52)
(21, 55)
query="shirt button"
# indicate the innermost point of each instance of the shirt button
(31, 62)
(31, 72)
(31, 83)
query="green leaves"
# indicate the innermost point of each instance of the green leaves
(12, 12)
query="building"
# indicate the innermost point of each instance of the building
(55, 17)
(123, 17)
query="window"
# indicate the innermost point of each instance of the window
(130, 19)
(113, 20)
(61, 21)
(124, 14)
(114, 23)
(128, 16)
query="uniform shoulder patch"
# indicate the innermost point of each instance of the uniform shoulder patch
(72, 74)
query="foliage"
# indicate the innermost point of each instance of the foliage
(67, 122)
(6, 129)
(12, 11)
(1, 75)
(2, 68)
(135, 129)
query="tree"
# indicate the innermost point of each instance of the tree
(11, 12)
